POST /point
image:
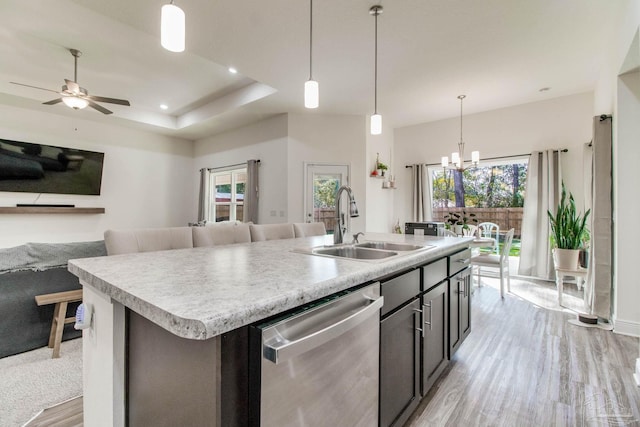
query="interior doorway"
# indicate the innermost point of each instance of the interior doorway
(322, 181)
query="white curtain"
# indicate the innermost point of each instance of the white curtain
(251, 196)
(203, 206)
(544, 181)
(598, 286)
(421, 194)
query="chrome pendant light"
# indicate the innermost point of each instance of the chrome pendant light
(376, 119)
(457, 158)
(172, 28)
(311, 90)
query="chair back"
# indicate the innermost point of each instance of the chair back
(147, 240)
(306, 229)
(448, 233)
(262, 232)
(471, 230)
(221, 233)
(490, 230)
(506, 248)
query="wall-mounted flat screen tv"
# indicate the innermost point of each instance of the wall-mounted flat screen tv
(39, 168)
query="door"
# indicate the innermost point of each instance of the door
(321, 184)
(400, 365)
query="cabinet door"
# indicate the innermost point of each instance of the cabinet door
(435, 328)
(459, 309)
(400, 364)
(465, 304)
(454, 315)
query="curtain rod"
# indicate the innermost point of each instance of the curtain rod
(229, 166)
(562, 150)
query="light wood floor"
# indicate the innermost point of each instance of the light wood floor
(523, 365)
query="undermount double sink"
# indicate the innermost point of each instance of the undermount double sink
(366, 250)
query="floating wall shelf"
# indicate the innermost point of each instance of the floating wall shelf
(48, 210)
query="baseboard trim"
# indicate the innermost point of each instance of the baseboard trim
(626, 327)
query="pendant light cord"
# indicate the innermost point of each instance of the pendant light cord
(310, 39)
(375, 77)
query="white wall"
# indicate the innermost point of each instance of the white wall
(266, 141)
(380, 202)
(327, 138)
(564, 122)
(143, 183)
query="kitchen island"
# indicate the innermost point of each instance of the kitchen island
(191, 297)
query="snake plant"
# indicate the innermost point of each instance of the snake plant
(568, 227)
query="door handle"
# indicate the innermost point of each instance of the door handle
(281, 351)
(430, 314)
(421, 319)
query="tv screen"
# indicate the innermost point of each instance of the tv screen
(39, 168)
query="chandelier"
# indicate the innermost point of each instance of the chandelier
(457, 158)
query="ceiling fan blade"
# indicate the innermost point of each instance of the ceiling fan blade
(99, 107)
(72, 86)
(53, 101)
(109, 100)
(34, 87)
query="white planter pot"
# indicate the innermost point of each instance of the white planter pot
(566, 259)
(457, 229)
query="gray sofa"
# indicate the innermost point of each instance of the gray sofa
(35, 269)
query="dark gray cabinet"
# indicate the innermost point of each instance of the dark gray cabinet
(425, 318)
(400, 364)
(434, 329)
(400, 347)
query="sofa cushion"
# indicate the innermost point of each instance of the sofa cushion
(147, 240)
(223, 233)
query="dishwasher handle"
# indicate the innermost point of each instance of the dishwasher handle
(281, 352)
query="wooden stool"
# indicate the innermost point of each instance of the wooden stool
(60, 299)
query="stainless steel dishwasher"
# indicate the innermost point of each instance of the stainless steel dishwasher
(319, 366)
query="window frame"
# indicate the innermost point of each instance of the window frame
(233, 203)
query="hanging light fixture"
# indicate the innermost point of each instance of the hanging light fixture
(376, 119)
(311, 95)
(457, 158)
(172, 28)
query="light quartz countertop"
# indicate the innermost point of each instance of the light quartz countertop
(203, 292)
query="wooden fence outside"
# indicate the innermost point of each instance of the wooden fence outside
(506, 218)
(327, 216)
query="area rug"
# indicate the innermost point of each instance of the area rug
(32, 381)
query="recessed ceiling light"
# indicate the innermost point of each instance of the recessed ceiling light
(233, 70)
(164, 106)
(544, 89)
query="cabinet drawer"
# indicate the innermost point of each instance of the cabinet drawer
(459, 261)
(399, 290)
(434, 273)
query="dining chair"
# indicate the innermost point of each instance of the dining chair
(501, 262)
(491, 230)
(306, 229)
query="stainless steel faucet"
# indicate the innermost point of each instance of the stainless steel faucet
(355, 237)
(341, 229)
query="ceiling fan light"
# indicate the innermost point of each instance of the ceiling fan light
(172, 28)
(311, 94)
(376, 124)
(445, 161)
(75, 102)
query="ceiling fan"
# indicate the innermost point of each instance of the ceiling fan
(77, 97)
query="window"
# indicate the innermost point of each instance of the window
(491, 185)
(492, 192)
(229, 190)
